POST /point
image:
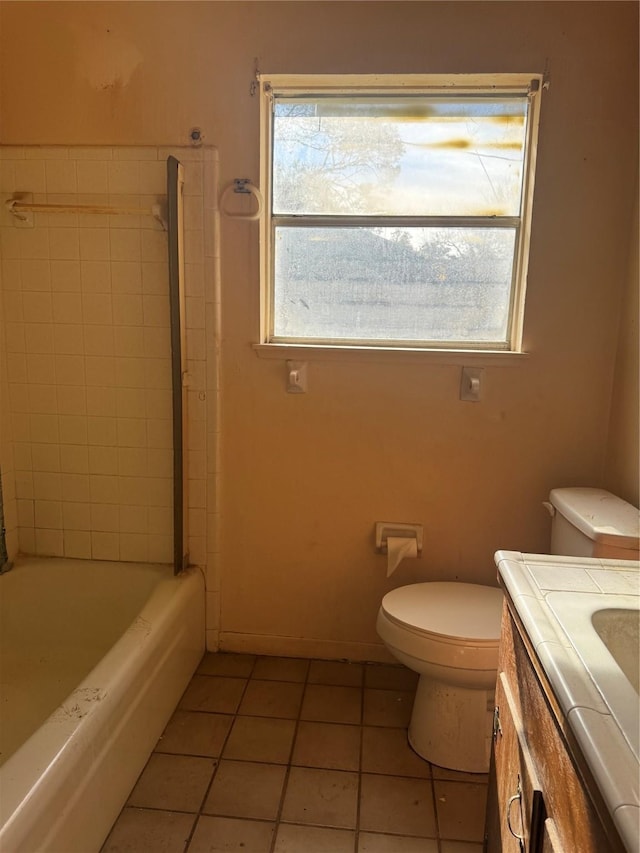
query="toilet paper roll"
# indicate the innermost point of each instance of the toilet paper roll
(398, 549)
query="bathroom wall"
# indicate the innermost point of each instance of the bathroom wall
(305, 477)
(87, 429)
(624, 429)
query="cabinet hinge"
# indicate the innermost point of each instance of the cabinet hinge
(497, 728)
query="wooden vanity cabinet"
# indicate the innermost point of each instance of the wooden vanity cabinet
(541, 797)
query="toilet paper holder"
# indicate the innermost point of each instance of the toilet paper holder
(402, 530)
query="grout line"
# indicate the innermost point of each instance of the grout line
(276, 822)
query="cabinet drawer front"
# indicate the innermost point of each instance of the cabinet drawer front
(519, 795)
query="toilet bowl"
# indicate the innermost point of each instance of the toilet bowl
(449, 634)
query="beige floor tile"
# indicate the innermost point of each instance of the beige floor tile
(281, 669)
(260, 739)
(461, 810)
(459, 847)
(321, 797)
(393, 804)
(173, 782)
(370, 842)
(313, 839)
(387, 750)
(272, 699)
(229, 835)
(213, 693)
(246, 789)
(335, 672)
(331, 746)
(139, 830)
(195, 733)
(390, 677)
(387, 708)
(331, 704)
(225, 663)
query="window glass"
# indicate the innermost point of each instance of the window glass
(424, 156)
(386, 284)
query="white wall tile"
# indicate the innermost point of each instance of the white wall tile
(105, 546)
(133, 519)
(134, 547)
(72, 400)
(102, 431)
(99, 340)
(77, 544)
(103, 460)
(74, 459)
(42, 399)
(94, 244)
(127, 309)
(38, 337)
(129, 343)
(48, 514)
(44, 428)
(104, 489)
(45, 457)
(64, 244)
(101, 401)
(76, 515)
(105, 517)
(70, 370)
(95, 276)
(123, 177)
(49, 543)
(75, 487)
(30, 176)
(126, 277)
(125, 245)
(73, 429)
(100, 371)
(92, 176)
(35, 274)
(65, 275)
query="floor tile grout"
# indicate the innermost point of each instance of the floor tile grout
(262, 666)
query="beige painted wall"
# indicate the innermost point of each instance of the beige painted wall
(306, 476)
(623, 442)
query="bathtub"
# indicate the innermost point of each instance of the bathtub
(94, 656)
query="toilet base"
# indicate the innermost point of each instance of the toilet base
(452, 726)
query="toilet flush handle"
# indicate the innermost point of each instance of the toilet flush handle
(549, 508)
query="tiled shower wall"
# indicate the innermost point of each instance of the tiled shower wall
(86, 383)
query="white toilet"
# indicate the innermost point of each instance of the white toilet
(449, 632)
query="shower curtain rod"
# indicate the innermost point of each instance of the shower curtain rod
(20, 208)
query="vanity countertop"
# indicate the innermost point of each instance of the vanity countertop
(556, 599)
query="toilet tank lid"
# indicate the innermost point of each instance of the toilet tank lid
(598, 514)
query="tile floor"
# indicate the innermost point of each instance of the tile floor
(284, 755)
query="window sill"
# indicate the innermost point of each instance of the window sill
(304, 352)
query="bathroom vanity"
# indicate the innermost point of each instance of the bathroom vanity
(564, 770)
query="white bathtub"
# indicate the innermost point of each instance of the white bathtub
(94, 657)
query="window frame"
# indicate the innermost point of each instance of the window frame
(271, 86)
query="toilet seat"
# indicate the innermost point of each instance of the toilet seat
(453, 612)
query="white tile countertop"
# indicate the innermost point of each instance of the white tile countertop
(595, 680)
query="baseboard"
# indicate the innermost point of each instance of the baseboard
(302, 647)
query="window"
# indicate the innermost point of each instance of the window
(398, 209)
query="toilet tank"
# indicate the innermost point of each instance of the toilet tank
(593, 523)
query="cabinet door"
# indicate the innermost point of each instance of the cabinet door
(516, 811)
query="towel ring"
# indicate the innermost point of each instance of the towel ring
(245, 187)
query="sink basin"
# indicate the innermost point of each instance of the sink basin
(619, 630)
(604, 631)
